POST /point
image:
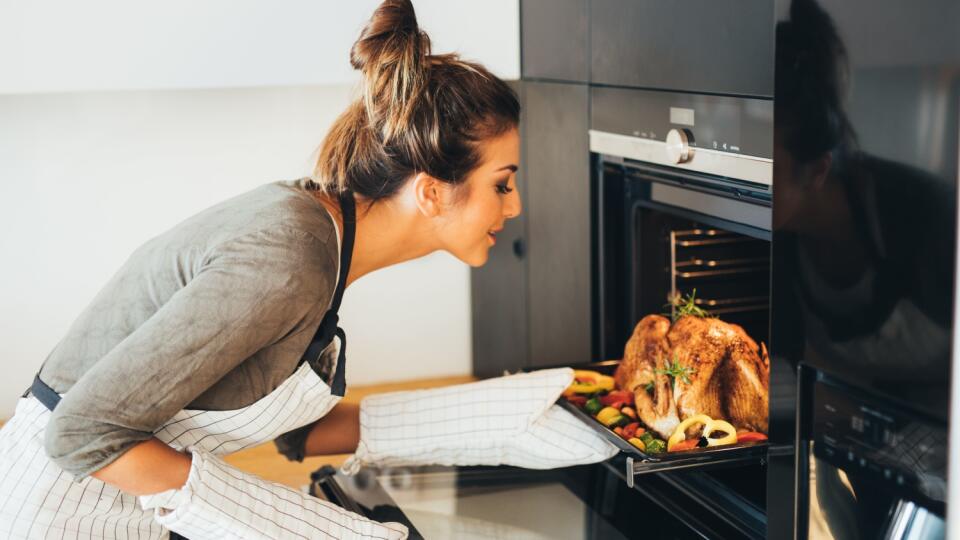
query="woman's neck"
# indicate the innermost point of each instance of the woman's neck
(386, 234)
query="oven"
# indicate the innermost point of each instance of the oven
(683, 187)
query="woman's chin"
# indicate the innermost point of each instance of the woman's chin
(475, 258)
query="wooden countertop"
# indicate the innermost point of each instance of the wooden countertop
(266, 462)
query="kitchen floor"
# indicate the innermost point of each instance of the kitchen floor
(266, 462)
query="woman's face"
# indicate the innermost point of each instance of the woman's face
(484, 201)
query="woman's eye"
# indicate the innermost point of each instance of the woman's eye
(503, 189)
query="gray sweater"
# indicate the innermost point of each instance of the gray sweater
(213, 314)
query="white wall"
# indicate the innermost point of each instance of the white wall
(89, 168)
(63, 45)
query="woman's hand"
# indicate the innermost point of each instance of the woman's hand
(338, 432)
(149, 467)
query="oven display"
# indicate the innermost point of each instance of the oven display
(891, 448)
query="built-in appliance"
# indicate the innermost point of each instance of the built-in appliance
(684, 188)
(864, 248)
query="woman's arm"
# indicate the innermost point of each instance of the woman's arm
(147, 468)
(336, 433)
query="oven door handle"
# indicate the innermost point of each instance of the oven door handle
(324, 484)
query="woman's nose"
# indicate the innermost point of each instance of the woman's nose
(513, 207)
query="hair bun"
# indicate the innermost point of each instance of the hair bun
(391, 34)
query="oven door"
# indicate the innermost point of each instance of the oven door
(505, 502)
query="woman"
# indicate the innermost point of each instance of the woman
(198, 341)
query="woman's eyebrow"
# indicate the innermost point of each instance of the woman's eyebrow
(511, 167)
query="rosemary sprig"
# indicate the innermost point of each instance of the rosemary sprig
(676, 371)
(681, 305)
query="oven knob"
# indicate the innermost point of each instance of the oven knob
(678, 146)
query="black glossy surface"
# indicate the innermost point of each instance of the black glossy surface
(879, 445)
(865, 193)
(865, 179)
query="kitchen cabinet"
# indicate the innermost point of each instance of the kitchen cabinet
(554, 40)
(558, 222)
(708, 46)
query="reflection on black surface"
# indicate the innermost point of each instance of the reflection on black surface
(865, 179)
(864, 214)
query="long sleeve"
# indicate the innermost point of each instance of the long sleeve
(249, 292)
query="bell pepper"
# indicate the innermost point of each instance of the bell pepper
(577, 400)
(607, 414)
(723, 426)
(638, 443)
(630, 430)
(751, 436)
(617, 398)
(589, 382)
(688, 444)
(680, 433)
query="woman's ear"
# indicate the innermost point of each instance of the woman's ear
(430, 194)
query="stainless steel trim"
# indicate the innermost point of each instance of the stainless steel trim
(953, 446)
(634, 468)
(717, 263)
(729, 209)
(900, 521)
(724, 272)
(739, 166)
(715, 241)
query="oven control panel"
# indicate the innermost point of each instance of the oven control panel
(869, 438)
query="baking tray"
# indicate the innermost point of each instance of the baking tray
(743, 451)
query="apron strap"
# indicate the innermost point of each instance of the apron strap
(329, 325)
(44, 393)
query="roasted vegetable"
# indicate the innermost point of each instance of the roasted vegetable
(638, 443)
(688, 444)
(617, 398)
(729, 437)
(589, 382)
(593, 405)
(607, 415)
(656, 446)
(680, 433)
(750, 436)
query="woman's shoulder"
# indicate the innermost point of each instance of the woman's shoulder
(280, 220)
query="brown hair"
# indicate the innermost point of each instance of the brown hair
(418, 112)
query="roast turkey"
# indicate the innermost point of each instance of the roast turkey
(697, 365)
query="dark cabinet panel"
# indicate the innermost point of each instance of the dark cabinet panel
(558, 213)
(715, 46)
(498, 290)
(554, 39)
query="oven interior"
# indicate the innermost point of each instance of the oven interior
(647, 251)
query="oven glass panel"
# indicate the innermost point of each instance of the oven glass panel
(865, 169)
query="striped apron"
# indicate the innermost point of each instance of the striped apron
(40, 500)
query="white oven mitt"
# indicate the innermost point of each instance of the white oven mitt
(510, 420)
(220, 501)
